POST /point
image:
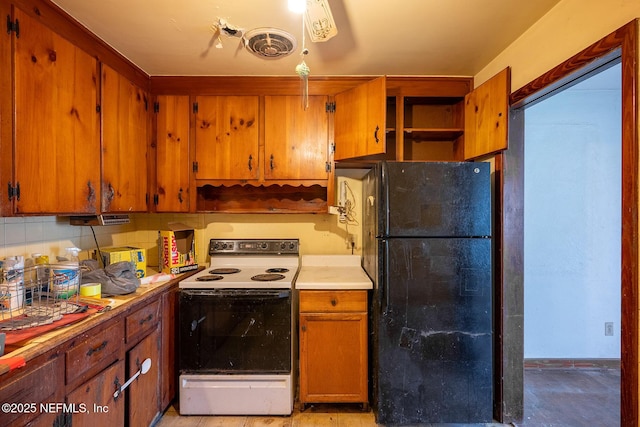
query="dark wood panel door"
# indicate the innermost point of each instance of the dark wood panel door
(173, 145)
(124, 144)
(296, 139)
(57, 141)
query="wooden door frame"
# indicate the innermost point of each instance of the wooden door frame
(623, 44)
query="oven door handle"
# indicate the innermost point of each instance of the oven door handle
(241, 294)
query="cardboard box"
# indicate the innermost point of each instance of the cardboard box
(177, 249)
(125, 253)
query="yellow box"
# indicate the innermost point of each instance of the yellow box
(177, 249)
(137, 256)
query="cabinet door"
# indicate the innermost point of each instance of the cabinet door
(124, 144)
(97, 394)
(486, 116)
(226, 137)
(333, 357)
(57, 141)
(359, 122)
(143, 395)
(168, 374)
(41, 382)
(295, 138)
(172, 160)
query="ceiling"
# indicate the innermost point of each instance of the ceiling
(435, 37)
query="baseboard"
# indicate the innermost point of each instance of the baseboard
(572, 363)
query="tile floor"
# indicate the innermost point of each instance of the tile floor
(564, 396)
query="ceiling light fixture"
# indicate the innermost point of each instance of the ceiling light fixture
(297, 6)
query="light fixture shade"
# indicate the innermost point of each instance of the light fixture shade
(319, 21)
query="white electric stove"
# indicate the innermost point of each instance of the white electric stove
(237, 330)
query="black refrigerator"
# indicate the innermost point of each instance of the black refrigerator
(427, 247)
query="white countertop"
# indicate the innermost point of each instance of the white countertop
(332, 272)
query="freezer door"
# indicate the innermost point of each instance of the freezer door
(434, 332)
(435, 199)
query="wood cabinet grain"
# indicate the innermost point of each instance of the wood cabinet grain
(296, 138)
(125, 122)
(173, 147)
(56, 125)
(226, 137)
(333, 347)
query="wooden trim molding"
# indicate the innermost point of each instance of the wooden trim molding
(623, 44)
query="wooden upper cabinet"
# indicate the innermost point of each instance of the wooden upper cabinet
(359, 122)
(226, 132)
(296, 139)
(486, 116)
(124, 144)
(172, 158)
(57, 140)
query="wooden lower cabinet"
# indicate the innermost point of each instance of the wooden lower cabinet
(333, 347)
(25, 392)
(74, 382)
(142, 396)
(101, 408)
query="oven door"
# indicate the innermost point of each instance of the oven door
(235, 331)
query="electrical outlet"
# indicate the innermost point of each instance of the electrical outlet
(351, 241)
(608, 329)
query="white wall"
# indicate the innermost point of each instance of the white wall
(572, 222)
(568, 28)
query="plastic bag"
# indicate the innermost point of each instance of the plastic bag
(118, 278)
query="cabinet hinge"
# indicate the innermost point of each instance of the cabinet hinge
(146, 104)
(327, 166)
(98, 108)
(332, 148)
(195, 108)
(13, 191)
(13, 26)
(156, 107)
(330, 107)
(195, 167)
(156, 199)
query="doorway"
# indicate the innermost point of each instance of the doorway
(622, 44)
(572, 241)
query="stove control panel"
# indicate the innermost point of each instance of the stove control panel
(253, 246)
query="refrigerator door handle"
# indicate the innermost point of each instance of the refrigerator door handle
(384, 203)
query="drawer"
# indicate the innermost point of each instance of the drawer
(333, 301)
(42, 384)
(94, 351)
(142, 320)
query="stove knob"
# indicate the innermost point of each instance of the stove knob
(292, 246)
(224, 246)
(263, 245)
(283, 246)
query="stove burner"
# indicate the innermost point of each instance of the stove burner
(209, 278)
(268, 277)
(224, 271)
(278, 270)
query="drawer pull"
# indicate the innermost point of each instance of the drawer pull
(97, 349)
(334, 302)
(146, 365)
(146, 319)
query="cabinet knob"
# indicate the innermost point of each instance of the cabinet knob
(303, 328)
(334, 302)
(250, 161)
